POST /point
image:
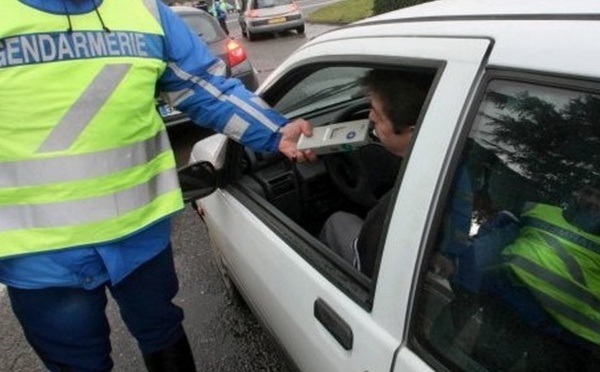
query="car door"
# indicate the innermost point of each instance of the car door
(527, 153)
(326, 316)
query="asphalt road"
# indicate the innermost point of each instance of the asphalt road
(224, 334)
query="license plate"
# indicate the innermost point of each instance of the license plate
(277, 20)
(166, 110)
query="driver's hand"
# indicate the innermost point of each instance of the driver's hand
(290, 134)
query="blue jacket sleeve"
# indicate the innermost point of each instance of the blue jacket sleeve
(457, 217)
(195, 83)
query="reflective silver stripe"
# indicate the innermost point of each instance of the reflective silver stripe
(566, 258)
(566, 311)
(563, 233)
(153, 9)
(208, 87)
(235, 128)
(87, 106)
(84, 166)
(77, 212)
(214, 91)
(254, 112)
(176, 97)
(219, 68)
(556, 281)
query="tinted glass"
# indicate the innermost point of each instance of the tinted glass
(204, 26)
(259, 4)
(513, 282)
(325, 87)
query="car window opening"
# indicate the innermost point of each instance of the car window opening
(354, 186)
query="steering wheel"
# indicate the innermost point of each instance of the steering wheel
(352, 172)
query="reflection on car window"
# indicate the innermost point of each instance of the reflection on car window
(203, 27)
(325, 87)
(514, 280)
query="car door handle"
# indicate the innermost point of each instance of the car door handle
(339, 329)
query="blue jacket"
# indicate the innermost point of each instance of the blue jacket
(210, 99)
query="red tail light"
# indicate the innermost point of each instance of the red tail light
(235, 53)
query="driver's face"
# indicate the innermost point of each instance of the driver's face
(396, 143)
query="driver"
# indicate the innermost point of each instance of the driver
(396, 99)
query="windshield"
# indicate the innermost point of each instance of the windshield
(258, 4)
(203, 26)
(325, 87)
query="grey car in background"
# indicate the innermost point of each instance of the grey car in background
(224, 47)
(270, 16)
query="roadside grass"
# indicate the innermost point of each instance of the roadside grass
(342, 12)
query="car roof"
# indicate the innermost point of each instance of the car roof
(525, 34)
(445, 8)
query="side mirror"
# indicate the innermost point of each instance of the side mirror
(197, 180)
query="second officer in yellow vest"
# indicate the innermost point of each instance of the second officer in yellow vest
(557, 256)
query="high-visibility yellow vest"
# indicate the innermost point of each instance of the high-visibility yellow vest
(84, 156)
(560, 264)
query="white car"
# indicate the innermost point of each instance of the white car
(515, 98)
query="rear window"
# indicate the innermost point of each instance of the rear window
(203, 26)
(259, 4)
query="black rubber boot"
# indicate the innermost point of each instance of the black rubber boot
(175, 358)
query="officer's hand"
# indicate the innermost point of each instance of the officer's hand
(289, 140)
